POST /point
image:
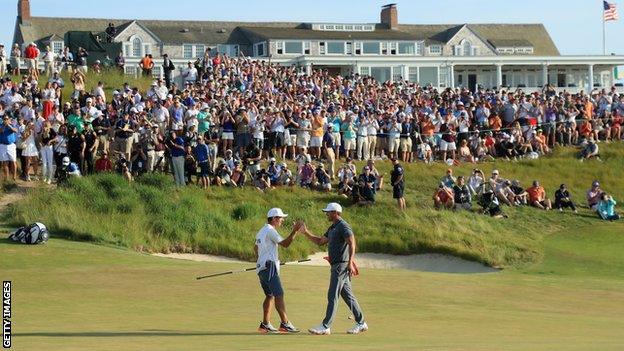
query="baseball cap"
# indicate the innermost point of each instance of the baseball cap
(333, 207)
(495, 171)
(276, 212)
(65, 161)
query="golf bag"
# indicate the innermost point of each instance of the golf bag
(35, 233)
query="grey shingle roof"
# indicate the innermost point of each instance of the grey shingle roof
(214, 32)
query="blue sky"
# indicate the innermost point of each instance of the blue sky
(575, 25)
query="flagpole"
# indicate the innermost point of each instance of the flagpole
(604, 31)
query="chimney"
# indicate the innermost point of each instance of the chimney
(390, 16)
(23, 12)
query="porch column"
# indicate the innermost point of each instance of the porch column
(404, 72)
(590, 72)
(499, 75)
(451, 73)
(356, 68)
(544, 74)
(308, 68)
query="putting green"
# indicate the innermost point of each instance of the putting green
(78, 296)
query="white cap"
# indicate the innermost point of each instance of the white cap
(495, 171)
(65, 161)
(276, 212)
(272, 159)
(333, 207)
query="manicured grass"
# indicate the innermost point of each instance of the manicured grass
(75, 296)
(151, 215)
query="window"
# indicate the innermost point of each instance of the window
(419, 48)
(349, 48)
(336, 47)
(200, 50)
(137, 47)
(413, 74)
(57, 47)
(370, 48)
(435, 49)
(381, 74)
(384, 48)
(365, 71)
(466, 48)
(260, 49)
(306, 47)
(187, 51)
(279, 47)
(397, 73)
(407, 48)
(358, 48)
(230, 50)
(293, 47)
(428, 75)
(393, 48)
(147, 49)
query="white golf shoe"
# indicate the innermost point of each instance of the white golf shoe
(319, 330)
(358, 328)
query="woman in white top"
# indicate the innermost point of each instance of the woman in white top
(30, 151)
(56, 118)
(60, 147)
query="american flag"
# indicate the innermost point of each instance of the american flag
(610, 12)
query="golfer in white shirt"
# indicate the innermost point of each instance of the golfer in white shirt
(267, 268)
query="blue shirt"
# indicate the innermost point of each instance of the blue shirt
(8, 136)
(201, 153)
(175, 151)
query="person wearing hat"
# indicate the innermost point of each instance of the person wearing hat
(267, 268)
(340, 242)
(398, 183)
(563, 199)
(594, 194)
(168, 68)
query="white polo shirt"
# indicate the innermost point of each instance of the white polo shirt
(267, 240)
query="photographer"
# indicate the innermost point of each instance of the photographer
(261, 180)
(606, 208)
(463, 200)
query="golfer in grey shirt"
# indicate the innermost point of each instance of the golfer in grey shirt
(341, 248)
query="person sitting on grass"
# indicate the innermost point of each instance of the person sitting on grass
(590, 150)
(284, 176)
(361, 195)
(563, 199)
(606, 208)
(222, 174)
(594, 195)
(261, 180)
(323, 180)
(463, 199)
(103, 164)
(306, 175)
(490, 204)
(448, 179)
(238, 175)
(367, 182)
(537, 196)
(520, 195)
(443, 197)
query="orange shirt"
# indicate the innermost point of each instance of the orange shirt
(147, 62)
(427, 128)
(589, 110)
(536, 193)
(585, 128)
(495, 123)
(317, 126)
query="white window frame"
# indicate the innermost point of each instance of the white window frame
(133, 46)
(326, 47)
(368, 42)
(226, 49)
(279, 46)
(398, 52)
(57, 42)
(419, 48)
(305, 46)
(437, 51)
(262, 44)
(184, 51)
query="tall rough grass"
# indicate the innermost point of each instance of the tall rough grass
(152, 215)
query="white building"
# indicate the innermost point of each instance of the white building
(489, 55)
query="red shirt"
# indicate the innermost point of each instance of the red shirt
(103, 165)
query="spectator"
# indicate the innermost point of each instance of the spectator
(606, 208)
(594, 195)
(443, 197)
(462, 195)
(323, 181)
(103, 164)
(537, 196)
(448, 179)
(563, 199)
(590, 150)
(398, 183)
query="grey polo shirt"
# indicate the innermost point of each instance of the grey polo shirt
(337, 246)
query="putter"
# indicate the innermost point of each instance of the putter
(248, 269)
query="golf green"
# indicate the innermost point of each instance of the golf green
(79, 296)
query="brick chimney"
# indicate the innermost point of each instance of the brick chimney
(390, 16)
(23, 12)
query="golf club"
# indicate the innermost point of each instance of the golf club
(247, 269)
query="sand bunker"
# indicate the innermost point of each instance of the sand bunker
(424, 262)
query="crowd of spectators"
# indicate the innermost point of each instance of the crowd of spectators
(237, 122)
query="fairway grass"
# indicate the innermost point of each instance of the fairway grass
(79, 296)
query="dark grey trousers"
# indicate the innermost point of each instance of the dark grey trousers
(340, 285)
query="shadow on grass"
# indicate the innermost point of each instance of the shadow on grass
(143, 333)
